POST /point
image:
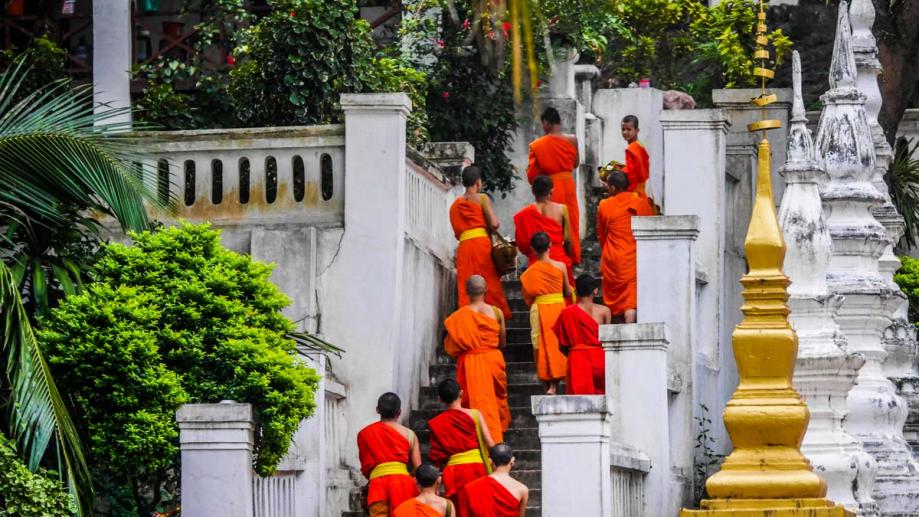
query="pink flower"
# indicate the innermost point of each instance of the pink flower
(440, 43)
(293, 13)
(467, 24)
(506, 29)
(231, 60)
(445, 96)
(491, 35)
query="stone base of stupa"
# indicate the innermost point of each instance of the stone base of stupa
(768, 508)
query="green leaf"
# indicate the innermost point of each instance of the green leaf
(63, 278)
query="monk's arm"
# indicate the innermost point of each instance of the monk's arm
(533, 168)
(523, 502)
(566, 225)
(601, 227)
(490, 218)
(577, 151)
(416, 455)
(566, 287)
(607, 315)
(486, 434)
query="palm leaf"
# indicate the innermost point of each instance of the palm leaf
(38, 412)
(314, 343)
(903, 185)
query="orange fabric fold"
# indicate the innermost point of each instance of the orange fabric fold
(637, 167)
(541, 278)
(380, 443)
(554, 156)
(453, 432)
(528, 222)
(415, 508)
(473, 339)
(473, 256)
(486, 497)
(586, 361)
(617, 265)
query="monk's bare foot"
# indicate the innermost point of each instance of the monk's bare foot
(552, 388)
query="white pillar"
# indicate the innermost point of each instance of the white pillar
(636, 383)
(574, 436)
(216, 443)
(370, 257)
(112, 56)
(667, 293)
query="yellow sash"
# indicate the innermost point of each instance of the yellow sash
(389, 468)
(547, 299)
(543, 299)
(465, 458)
(483, 449)
(473, 233)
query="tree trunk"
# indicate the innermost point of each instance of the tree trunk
(897, 31)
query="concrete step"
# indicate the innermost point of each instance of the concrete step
(513, 353)
(518, 396)
(526, 438)
(418, 420)
(517, 372)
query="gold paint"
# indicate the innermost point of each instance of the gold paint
(766, 475)
(761, 54)
(763, 72)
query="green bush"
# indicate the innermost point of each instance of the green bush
(29, 493)
(174, 318)
(907, 277)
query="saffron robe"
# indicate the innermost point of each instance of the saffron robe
(473, 340)
(380, 443)
(617, 264)
(555, 156)
(637, 167)
(415, 508)
(486, 497)
(543, 279)
(529, 221)
(586, 360)
(454, 432)
(473, 255)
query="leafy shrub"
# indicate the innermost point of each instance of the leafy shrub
(29, 493)
(907, 277)
(174, 318)
(46, 61)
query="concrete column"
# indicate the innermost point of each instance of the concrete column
(371, 254)
(667, 293)
(216, 442)
(112, 56)
(574, 435)
(636, 383)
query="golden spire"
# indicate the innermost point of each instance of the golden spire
(766, 417)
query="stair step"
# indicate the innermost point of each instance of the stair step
(526, 438)
(418, 420)
(518, 396)
(522, 372)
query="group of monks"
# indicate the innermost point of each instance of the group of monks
(467, 438)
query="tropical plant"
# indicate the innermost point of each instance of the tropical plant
(907, 277)
(23, 492)
(903, 185)
(174, 318)
(58, 161)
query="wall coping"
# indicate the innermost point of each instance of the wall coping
(225, 412)
(376, 102)
(666, 227)
(545, 405)
(634, 336)
(699, 119)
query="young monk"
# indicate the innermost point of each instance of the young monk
(578, 331)
(545, 288)
(497, 495)
(637, 162)
(472, 218)
(428, 503)
(475, 335)
(459, 441)
(545, 215)
(387, 452)
(556, 155)
(614, 233)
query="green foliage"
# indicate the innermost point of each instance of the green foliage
(46, 61)
(174, 318)
(706, 458)
(907, 277)
(23, 492)
(903, 184)
(391, 75)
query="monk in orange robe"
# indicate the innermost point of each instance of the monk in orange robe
(555, 154)
(428, 503)
(497, 495)
(387, 451)
(545, 288)
(578, 331)
(614, 233)
(637, 161)
(472, 218)
(475, 335)
(459, 441)
(546, 216)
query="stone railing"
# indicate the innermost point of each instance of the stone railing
(628, 469)
(428, 195)
(265, 175)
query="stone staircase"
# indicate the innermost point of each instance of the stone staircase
(522, 383)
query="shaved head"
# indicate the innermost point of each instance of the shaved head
(475, 286)
(501, 454)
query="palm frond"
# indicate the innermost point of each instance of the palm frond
(903, 185)
(38, 412)
(315, 343)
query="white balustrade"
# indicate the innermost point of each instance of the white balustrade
(428, 195)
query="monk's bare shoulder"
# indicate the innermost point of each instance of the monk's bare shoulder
(603, 314)
(517, 488)
(558, 265)
(573, 140)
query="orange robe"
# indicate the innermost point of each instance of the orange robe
(486, 497)
(617, 264)
(473, 255)
(415, 508)
(637, 167)
(586, 361)
(530, 221)
(554, 156)
(539, 283)
(379, 443)
(473, 340)
(455, 432)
